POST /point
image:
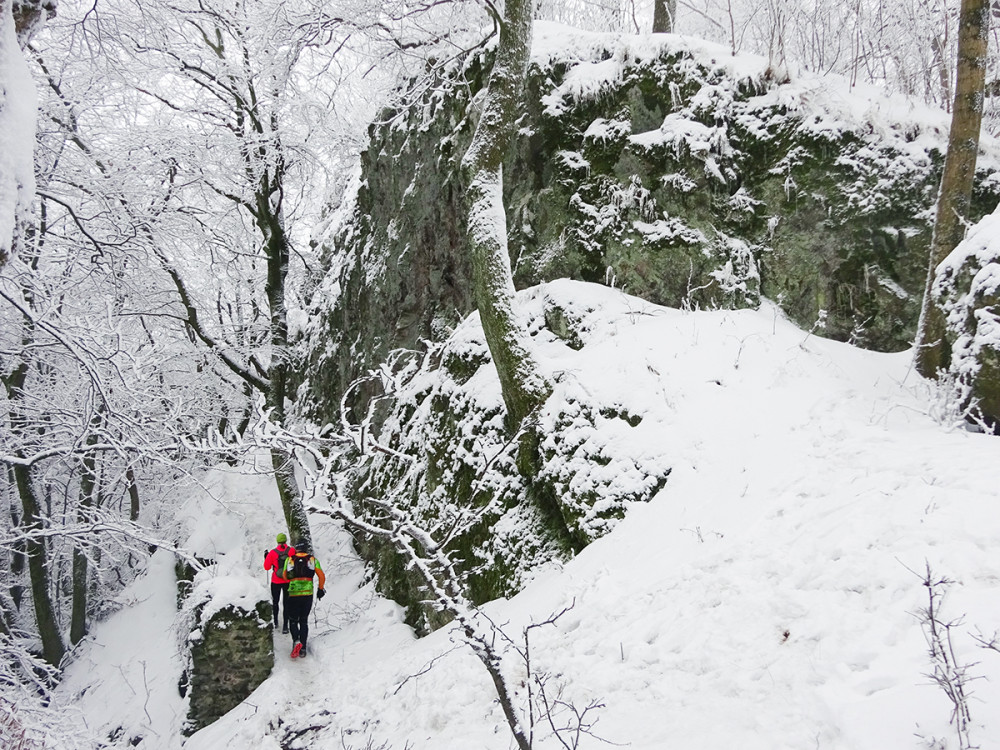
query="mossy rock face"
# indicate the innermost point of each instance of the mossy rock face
(231, 655)
(492, 534)
(661, 171)
(967, 289)
(672, 177)
(456, 473)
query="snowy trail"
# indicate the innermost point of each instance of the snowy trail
(764, 599)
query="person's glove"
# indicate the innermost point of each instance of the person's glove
(321, 593)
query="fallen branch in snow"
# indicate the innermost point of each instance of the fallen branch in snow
(425, 669)
(369, 745)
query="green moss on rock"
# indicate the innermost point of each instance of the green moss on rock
(231, 654)
(676, 180)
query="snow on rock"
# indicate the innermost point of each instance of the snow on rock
(765, 598)
(966, 286)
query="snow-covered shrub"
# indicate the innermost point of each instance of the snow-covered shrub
(13, 734)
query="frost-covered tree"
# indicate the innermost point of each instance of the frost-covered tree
(100, 386)
(237, 79)
(17, 121)
(522, 385)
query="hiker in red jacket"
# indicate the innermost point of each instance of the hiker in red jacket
(274, 561)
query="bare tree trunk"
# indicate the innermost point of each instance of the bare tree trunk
(133, 494)
(522, 387)
(53, 648)
(664, 13)
(940, 58)
(17, 555)
(955, 197)
(88, 489)
(269, 220)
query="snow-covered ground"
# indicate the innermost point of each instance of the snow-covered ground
(765, 598)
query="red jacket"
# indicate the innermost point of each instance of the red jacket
(271, 562)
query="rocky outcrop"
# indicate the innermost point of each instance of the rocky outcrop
(231, 654)
(228, 639)
(453, 469)
(967, 288)
(657, 165)
(660, 166)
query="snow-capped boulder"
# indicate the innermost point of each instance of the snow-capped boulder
(967, 288)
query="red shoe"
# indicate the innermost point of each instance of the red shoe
(295, 650)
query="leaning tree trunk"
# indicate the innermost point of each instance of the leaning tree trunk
(933, 353)
(522, 386)
(53, 647)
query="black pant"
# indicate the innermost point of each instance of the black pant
(297, 608)
(279, 590)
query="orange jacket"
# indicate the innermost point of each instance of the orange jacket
(304, 586)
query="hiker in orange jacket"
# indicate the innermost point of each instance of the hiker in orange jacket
(274, 561)
(300, 569)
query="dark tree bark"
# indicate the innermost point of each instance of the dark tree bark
(29, 15)
(88, 492)
(955, 197)
(269, 198)
(133, 494)
(53, 648)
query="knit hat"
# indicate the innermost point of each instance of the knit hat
(282, 538)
